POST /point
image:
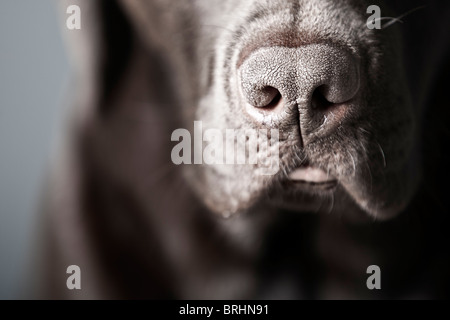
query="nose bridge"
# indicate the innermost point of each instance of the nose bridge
(297, 73)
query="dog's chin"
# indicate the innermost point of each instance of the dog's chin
(305, 190)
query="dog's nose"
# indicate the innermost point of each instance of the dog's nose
(314, 80)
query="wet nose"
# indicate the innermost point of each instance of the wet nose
(312, 79)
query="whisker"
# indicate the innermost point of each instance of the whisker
(397, 19)
(388, 18)
(382, 153)
(370, 175)
(332, 204)
(354, 164)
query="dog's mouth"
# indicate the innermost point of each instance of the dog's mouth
(309, 178)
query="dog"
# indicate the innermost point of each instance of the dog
(360, 114)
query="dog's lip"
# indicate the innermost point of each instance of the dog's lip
(310, 174)
(311, 178)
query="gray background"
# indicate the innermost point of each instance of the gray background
(33, 79)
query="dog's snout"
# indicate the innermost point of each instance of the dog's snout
(315, 79)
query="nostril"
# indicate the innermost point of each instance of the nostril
(318, 100)
(273, 97)
(267, 98)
